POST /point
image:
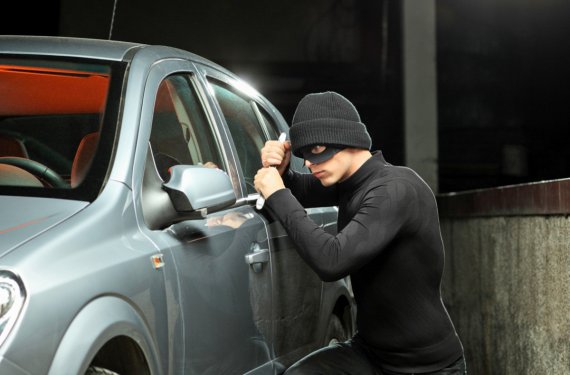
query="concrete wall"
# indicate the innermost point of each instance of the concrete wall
(507, 287)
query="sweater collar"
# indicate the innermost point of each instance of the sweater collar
(369, 167)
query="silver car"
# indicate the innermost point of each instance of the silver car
(129, 238)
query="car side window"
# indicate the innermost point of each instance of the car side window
(181, 132)
(247, 132)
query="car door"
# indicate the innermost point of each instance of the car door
(298, 292)
(296, 288)
(215, 312)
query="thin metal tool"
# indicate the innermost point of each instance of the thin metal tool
(261, 201)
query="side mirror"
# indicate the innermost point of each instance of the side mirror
(195, 188)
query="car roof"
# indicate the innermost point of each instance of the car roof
(65, 46)
(104, 49)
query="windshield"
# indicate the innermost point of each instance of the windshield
(51, 117)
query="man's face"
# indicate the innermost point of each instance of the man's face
(336, 169)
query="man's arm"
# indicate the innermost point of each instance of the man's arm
(309, 191)
(381, 216)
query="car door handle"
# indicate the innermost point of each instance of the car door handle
(257, 257)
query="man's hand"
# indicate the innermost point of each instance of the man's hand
(276, 154)
(267, 181)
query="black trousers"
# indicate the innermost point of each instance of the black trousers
(348, 358)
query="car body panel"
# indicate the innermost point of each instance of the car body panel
(48, 266)
(93, 327)
(28, 217)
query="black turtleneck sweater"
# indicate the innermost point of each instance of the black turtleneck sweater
(389, 242)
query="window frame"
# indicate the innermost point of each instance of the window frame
(255, 101)
(150, 84)
(181, 108)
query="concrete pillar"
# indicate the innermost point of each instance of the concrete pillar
(420, 88)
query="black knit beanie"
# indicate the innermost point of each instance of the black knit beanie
(327, 118)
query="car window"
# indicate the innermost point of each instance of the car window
(181, 132)
(248, 134)
(51, 116)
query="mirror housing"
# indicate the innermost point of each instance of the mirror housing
(196, 188)
(191, 193)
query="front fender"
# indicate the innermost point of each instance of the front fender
(98, 322)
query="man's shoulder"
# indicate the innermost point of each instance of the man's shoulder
(393, 175)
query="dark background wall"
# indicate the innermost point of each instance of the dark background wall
(502, 67)
(284, 49)
(503, 90)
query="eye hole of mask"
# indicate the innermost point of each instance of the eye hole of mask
(319, 153)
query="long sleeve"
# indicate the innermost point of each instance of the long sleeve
(378, 219)
(309, 191)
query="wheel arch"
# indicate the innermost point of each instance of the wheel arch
(338, 300)
(346, 311)
(104, 324)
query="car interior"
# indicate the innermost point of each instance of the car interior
(50, 117)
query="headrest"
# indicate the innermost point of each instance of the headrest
(83, 158)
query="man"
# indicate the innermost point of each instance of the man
(389, 242)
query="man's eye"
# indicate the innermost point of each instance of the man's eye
(318, 149)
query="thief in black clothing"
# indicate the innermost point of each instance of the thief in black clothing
(389, 242)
